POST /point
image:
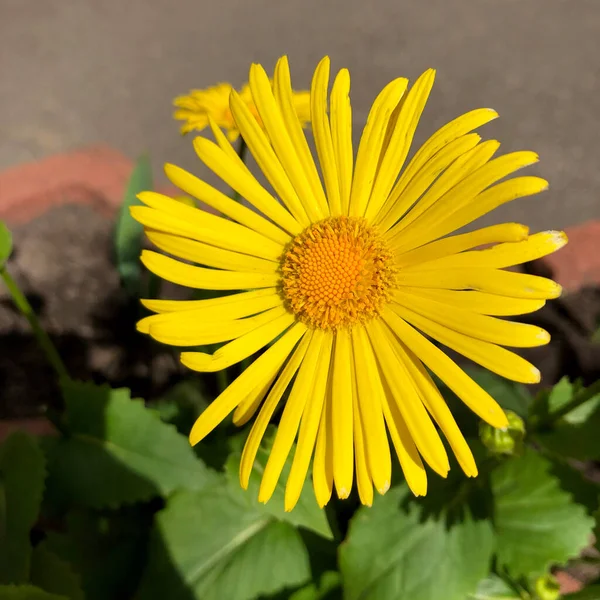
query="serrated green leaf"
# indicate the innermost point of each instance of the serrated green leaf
(5, 243)
(22, 472)
(591, 592)
(26, 592)
(305, 514)
(53, 574)
(393, 551)
(118, 451)
(209, 545)
(128, 232)
(108, 550)
(494, 588)
(537, 523)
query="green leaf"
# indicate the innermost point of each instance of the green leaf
(576, 434)
(118, 451)
(5, 243)
(306, 513)
(589, 593)
(107, 550)
(328, 588)
(22, 474)
(538, 524)
(209, 545)
(574, 440)
(494, 588)
(26, 592)
(53, 574)
(562, 393)
(393, 551)
(128, 232)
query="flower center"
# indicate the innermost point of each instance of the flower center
(337, 272)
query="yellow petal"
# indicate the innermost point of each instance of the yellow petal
(488, 355)
(260, 371)
(243, 346)
(322, 134)
(210, 256)
(228, 307)
(493, 281)
(479, 302)
(266, 158)
(396, 150)
(505, 232)
(266, 413)
(292, 414)
(363, 477)
(234, 210)
(309, 426)
(437, 407)
(371, 143)
(341, 134)
(323, 461)
(292, 105)
(475, 397)
(249, 405)
(503, 255)
(468, 186)
(226, 146)
(413, 412)
(408, 455)
(275, 126)
(201, 278)
(196, 332)
(420, 189)
(370, 401)
(483, 327)
(242, 181)
(439, 221)
(445, 135)
(210, 230)
(342, 406)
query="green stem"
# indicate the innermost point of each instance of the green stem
(576, 401)
(242, 151)
(40, 334)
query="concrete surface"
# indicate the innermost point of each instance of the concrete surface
(76, 72)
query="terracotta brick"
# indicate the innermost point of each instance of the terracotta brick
(96, 176)
(568, 583)
(577, 265)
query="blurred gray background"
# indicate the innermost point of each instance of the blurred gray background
(78, 72)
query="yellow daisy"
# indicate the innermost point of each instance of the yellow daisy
(198, 106)
(346, 284)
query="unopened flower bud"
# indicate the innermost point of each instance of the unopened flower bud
(504, 441)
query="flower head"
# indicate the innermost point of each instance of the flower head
(345, 282)
(198, 106)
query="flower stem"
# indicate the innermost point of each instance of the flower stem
(40, 334)
(576, 401)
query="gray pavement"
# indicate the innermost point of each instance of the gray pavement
(77, 72)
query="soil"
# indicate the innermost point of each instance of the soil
(63, 262)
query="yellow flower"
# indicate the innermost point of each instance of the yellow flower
(349, 282)
(198, 106)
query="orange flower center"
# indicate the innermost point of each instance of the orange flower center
(337, 272)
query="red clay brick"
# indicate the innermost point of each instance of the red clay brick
(96, 176)
(578, 264)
